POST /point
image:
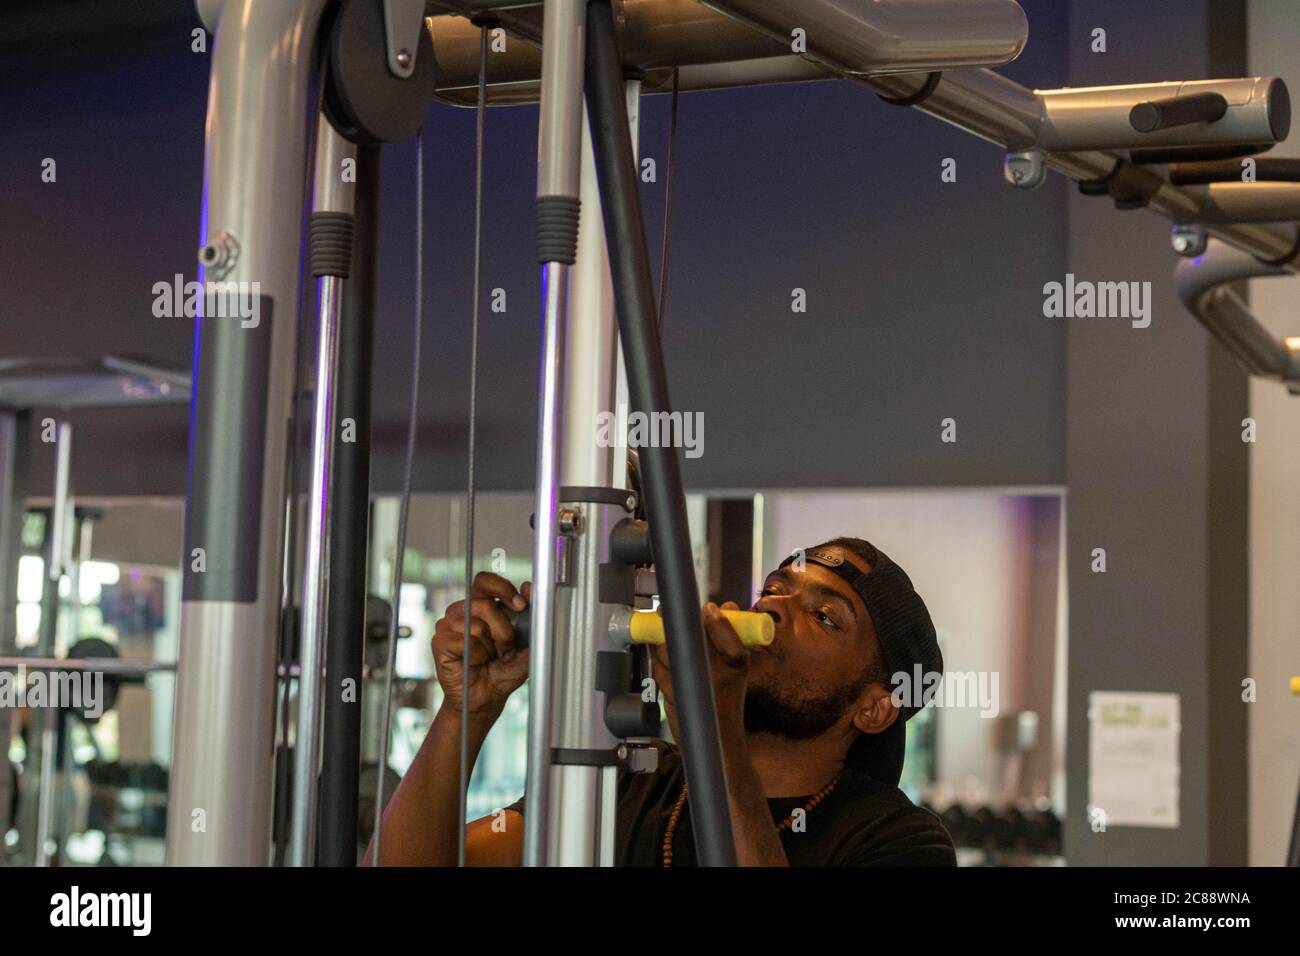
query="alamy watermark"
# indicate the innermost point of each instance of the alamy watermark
(66, 690)
(948, 689)
(1083, 299)
(133, 911)
(622, 429)
(224, 300)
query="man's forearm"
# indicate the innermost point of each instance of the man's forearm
(422, 823)
(757, 842)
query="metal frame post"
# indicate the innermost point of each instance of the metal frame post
(260, 114)
(331, 261)
(58, 539)
(349, 532)
(14, 433)
(558, 173)
(582, 814)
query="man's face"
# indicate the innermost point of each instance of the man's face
(813, 674)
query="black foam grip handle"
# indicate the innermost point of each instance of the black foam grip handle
(522, 624)
(557, 228)
(1176, 111)
(330, 244)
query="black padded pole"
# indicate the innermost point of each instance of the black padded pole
(345, 621)
(661, 478)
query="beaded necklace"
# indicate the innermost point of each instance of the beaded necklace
(787, 823)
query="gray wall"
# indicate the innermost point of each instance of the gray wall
(1275, 514)
(1157, 476)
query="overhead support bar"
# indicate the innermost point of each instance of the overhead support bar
(888, 36)
(712, 51)
(1262, 169)
(1203, 286)
(651, 33)
(768, 71)
(1247, 202)
(998, 109)
(866, 37)
(1096, 123)
(1253, 111)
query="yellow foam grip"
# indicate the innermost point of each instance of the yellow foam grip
(753, 628)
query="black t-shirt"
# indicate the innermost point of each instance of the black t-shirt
(861, 823)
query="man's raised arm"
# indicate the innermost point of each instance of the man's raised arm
(422, 821)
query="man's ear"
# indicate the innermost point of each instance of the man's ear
(876, 711)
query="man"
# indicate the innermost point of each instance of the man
(812, 736)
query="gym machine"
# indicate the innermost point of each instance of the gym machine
(59, 385)
(301, 87)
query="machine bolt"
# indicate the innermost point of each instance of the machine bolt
(1189, 240)
(1026, 169)
(220, 255)
(570, 521)
(404, 59)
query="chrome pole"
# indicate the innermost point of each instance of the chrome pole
(331, 256)
(558, 175)
(55, 567)
(582, 815)
(555, 284)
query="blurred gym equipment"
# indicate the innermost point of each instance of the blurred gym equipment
(28, 385)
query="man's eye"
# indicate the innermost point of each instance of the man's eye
(825, 618)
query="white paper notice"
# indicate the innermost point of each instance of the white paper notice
(1133, 759)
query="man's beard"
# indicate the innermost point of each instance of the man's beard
(767, 712)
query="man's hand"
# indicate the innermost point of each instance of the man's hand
(728, 666)
(496, 666)
(757, 843)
